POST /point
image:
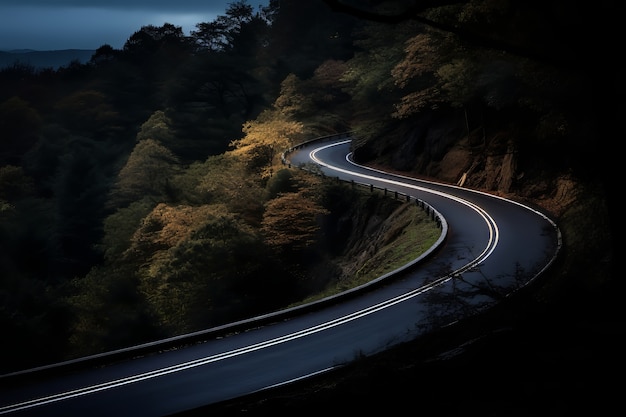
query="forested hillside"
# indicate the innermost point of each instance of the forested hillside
(141, 192)
(44, 59)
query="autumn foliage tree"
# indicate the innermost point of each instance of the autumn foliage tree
(265, 139)
(291, 221)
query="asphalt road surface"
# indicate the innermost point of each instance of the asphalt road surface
(489, 249)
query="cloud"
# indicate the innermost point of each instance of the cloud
(78, 28)
(194, 6)
(89, 24)
(70, 28)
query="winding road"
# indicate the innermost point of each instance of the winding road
(490, 247)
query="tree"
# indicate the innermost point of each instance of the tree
(89, 112)
(224, 33)
(119, 227)
(157, 128)
(293, 101)
(105, 53)
(226, 179)
(151, 39)
(147, 173)
(368, 78)
(210, 36)
(292, 219)
(299, 48)
(80, 187)
(265, 139)
(14, 183)
(20, 127)
(108, 312)
(291, 222)
(191, 260)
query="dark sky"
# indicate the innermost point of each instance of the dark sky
(89, 24)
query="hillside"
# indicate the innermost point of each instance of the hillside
(538, 137)
(151, 179)
(45, 59)
(546, 352)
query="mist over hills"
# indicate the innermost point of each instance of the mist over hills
(44, 59)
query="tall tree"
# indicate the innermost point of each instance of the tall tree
(291, 222)
(265, 139)
(192, 258)
(226, 179)
(147, 173)
(89, 112)
(20, 127)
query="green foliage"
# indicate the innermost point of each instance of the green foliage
(228, 33)
(318, 102)
(197, 255)
(88, 111)
(291, 222)
(120, 226)
(368, 80)
(80, 188)
(157, 128)
(107, 311)
(226, 179)
(265, 139)
(14, 183)
(151, 178)
(20, 126)
(150, 41)
(281, 182)
(147, 173)
(27, 251)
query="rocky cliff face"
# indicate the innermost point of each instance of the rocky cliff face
(506, 160)
(572, 322)
(491, 159)
(370, 235)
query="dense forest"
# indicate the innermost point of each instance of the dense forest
(141, 192)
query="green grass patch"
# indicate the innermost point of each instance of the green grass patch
(410, 233)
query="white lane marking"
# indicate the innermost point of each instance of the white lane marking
(494, 232)
(493, 238)
(225, 355)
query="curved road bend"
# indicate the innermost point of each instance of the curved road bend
(492, 248)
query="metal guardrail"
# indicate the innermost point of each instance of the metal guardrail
(242, 325)
(326, 138)
(434, 214)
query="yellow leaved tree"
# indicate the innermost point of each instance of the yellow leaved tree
(292, 220)
(265, 139)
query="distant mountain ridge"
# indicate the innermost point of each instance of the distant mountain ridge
(44, 59)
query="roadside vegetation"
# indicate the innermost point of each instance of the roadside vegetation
(400, 237)
(142, 194)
